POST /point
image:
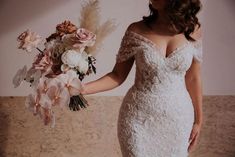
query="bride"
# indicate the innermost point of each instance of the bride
(161, 114)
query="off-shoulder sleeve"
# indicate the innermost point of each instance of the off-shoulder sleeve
(198, 53)
(127, 48)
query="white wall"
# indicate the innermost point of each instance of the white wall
(219, 47)
(42, 17)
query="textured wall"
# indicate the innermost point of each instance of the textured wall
(92, 132)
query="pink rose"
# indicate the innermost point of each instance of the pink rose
(80, 39)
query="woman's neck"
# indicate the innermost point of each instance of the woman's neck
(162, 18)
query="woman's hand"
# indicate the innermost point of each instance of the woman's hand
(82, 89)
(194, 136)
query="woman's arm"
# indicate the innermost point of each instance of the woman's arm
(194, 83)
(194, 86)
(111, 80)
(124, 62)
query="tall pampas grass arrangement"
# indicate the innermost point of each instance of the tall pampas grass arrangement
(90, 19)
(89, 16)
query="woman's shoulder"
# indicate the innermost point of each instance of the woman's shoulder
(136, 26)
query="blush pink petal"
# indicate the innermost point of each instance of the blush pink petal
(59, 95)
(75, 87)
(45, 101)
(64, 99)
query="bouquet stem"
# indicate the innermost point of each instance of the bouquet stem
(39, 50)
(77, 102)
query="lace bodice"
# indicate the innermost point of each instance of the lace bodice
(131, 41)
(152, 68)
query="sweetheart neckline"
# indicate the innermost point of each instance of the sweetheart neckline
(157, 47)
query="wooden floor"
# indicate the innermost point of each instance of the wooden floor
(91, 132)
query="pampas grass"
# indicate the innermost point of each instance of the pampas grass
(102, 32)
(90, 15)
(90, 19)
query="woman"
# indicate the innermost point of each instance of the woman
(161, 114)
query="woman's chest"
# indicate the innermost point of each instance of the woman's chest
(178, 61)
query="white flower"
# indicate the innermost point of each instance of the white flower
(83, 66)
(32, 103)
(45, 83)
(29, 40)
(71, 82)
(74, 59)
(19, 76)
(33, 76)
(59, 95)
(40, 104)
(71, 58)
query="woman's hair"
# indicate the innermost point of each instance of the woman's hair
(182, 16)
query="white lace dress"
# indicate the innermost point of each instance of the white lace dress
(156, 115)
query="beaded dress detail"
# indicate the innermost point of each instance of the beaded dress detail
(156, 115)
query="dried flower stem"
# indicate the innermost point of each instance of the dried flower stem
(39, 50)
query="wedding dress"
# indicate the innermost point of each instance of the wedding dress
(156, 115)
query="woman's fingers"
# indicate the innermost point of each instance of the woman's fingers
(193, 133)
(193, 142)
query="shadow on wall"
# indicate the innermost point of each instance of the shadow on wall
(231, 6)
(14, 13)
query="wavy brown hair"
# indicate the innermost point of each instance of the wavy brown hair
(182, 16)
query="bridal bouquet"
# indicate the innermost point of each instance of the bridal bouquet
(58, 69)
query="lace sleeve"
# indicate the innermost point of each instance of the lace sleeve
(198, 54)
(126, 49)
